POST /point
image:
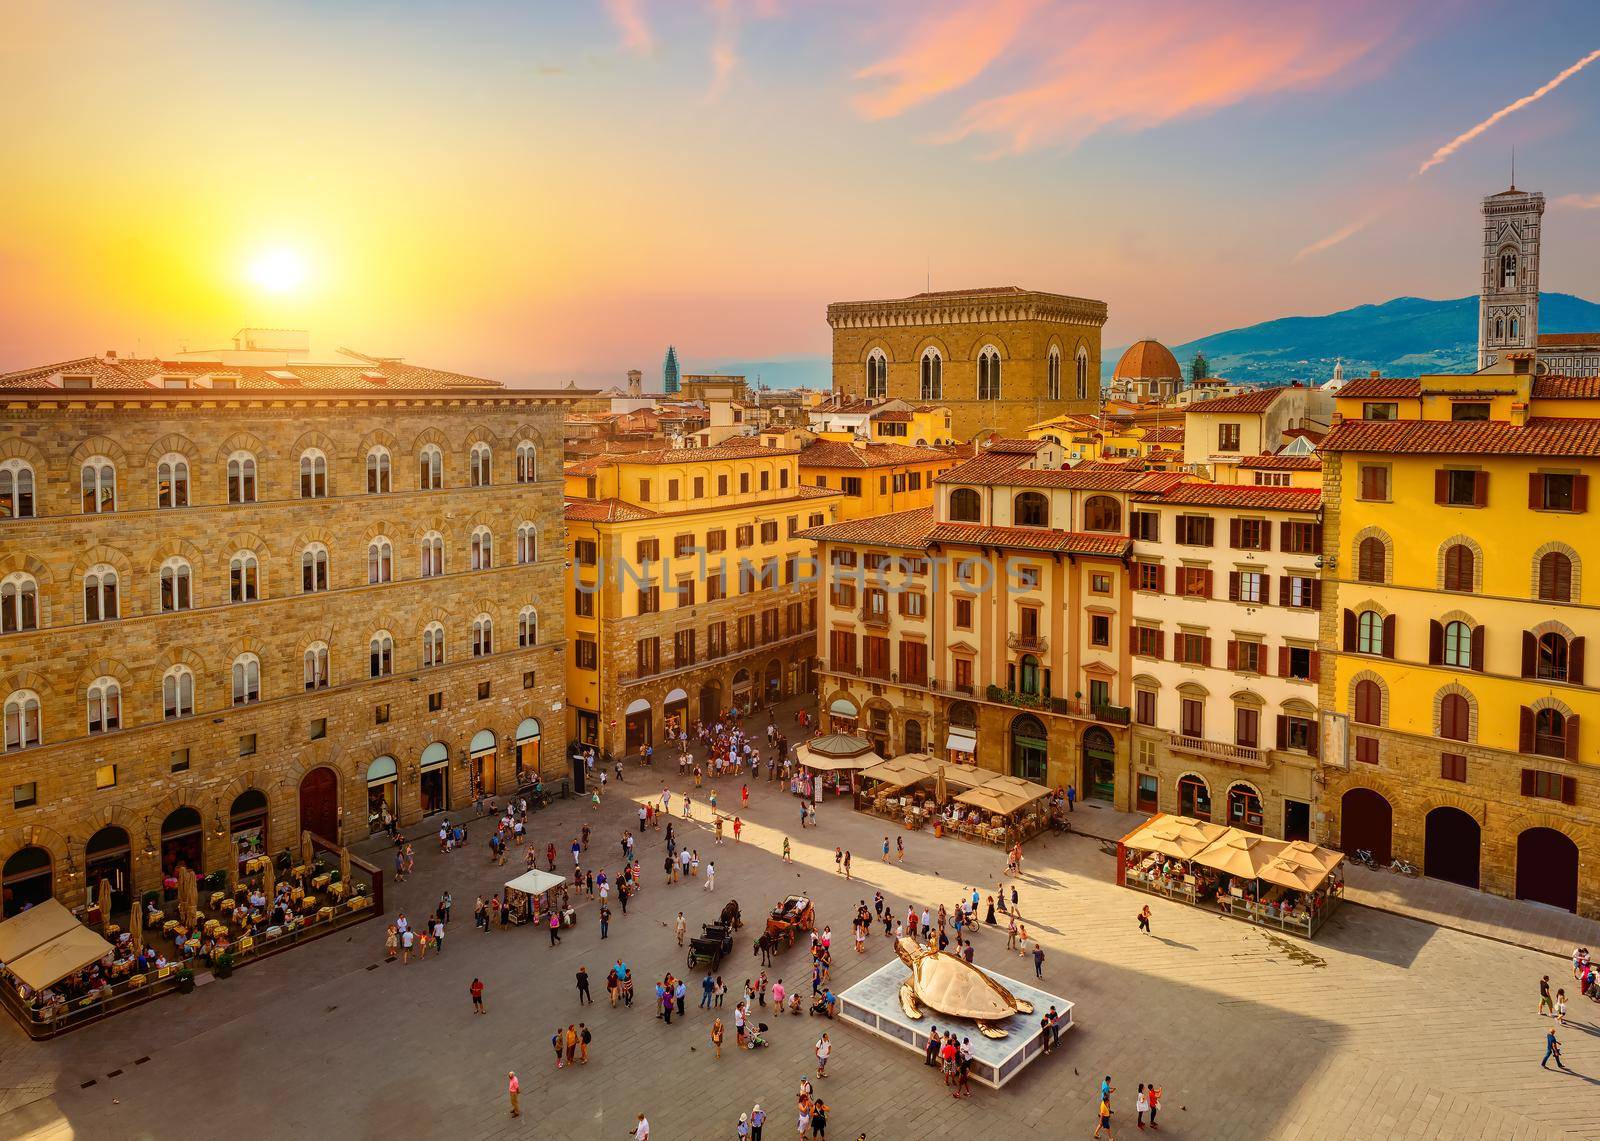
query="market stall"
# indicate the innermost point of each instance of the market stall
(831, 764)
(531, 896)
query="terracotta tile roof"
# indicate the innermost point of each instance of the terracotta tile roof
(1031, 539)
(1281, 463)
(897, 529)
(1013, 447)
(590, 466)
(1379, 387)
(1543, 436)
(1566, 387)
(605, 511)
(1167, 434)
(1163, 455)
(893, 416)
(1257, 401)
(835, 454)
(1010, 470)
(131, 373)
(1568, 340)
(748, 451)
(1240, 495)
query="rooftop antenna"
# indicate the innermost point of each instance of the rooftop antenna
(1513, 166)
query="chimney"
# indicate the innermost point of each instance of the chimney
(1519, 414)
(635, 382)
(1374, 374)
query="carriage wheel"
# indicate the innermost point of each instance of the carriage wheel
(691, 960)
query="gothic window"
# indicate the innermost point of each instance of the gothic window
(19, 603)
(246, 679)
(433, 645)
(482, 549)
(380, 561)
(482, 636)
(932, 375)
(1081, 367)
(527, 462)
(527, 543)
(378, 471)
(1053, 378)
(316, 665)
(313, 475)
(172, 481)
(22, 719)
(241, 478)
(99, 486)
(244, 577)
(105, 705)
(480, 457)
(877, 375)
(177, 585)
(381, 654)
(100, 594)
(430, 460)
(432, 554)
(528, 627)
(1513, 328)
(177, 692)
(314, 568)
(16, 490)
(989, 374)
(1508, 274)
(1499, 328)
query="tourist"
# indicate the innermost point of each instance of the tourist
(679, 992)
(680, 926)
(886, 849)
(1144, 919)
(571, 1041)
(514, 1089)
(613, 986)
(930, 1055)
(558, 1042)
(1072, 798)
(716, 1036)
(1141, 1105)
(1153, 1095)
(584, 1038)
(847, 865)
(407, 938)
(1545, 1004)
(900, 849)
(1105, 1119)
(777, 996)
(824, 1049)
(718, 991)
(605, 922)
(438, 935)
(555, 927)
(758, 1118)
(1552, 1049)
(641, 1131)
(819, 1118)
(476, 990)
(786, 858)
(391, 943)
(711, 876)
(1038, 961)
(583, 987)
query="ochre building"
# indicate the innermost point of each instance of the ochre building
(240, 602)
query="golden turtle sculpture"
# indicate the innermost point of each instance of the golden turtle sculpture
(953, 986)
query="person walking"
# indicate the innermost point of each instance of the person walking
(1072, 798)
(716, 1036)
(514, 1090)
(1561, 1006)
(1153, 1095)
(786, 858)
(1038, 960)
(583, 987)
(900, 849)
(1545, 1004)
(605, 922)
(680, 925)
(555, 927)
(886, 849)
(1552, 1049)
(711, 875)
(1144, 919)
(824, 1049)
(641, 1130)
(1105, 1119)
(847, 865)
(476, 991)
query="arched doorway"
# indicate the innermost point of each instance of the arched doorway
(675, 713)
(182, 843)
(1244, 808)
(842, 716)
(319, 803)
(27, 879)
(1194, 797)
(247, 824)
(774, 682)
(383, 782)
(107, 856)
(636, 727)
(1099, 766)
(1451, 846)
(913, 737)
(741, 689)
(480, 763)
(1547, 868)
(1030, 748)
(433, 779)
(710, 703)
(527, 751)
(1366, 822)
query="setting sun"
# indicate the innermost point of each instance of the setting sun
(278, 271)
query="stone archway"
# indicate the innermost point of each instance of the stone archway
(27, 878)
(1366, 822)
(108, 856)
(1099, 766)
(1547, 868)
(319, 803)
(1452, 846)
(711, 702)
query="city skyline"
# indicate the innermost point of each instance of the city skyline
(522, 193)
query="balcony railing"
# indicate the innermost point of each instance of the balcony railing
(1219, 750)
(874, 617)
(1035, 643)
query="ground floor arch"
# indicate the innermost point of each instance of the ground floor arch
(636, 726)
(1452, 846)
(743, 685)
(843, 715)
(182, 841)
(481, 755)
(711, 702)
(913, 737)
(526, 753)
(319, 803)
(433, 778)
(1194, 796)
(1099, 765)
(772, 678)
(1366, 823)
(1547, 868)
(247, 824)
(108, 858)
(1244, 807)
(1030, 748)
(675, 713)
(27, 879)
(383, 783)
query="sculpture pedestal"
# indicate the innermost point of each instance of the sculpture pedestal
(874, 1004)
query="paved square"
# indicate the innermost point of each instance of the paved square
(1383, 1027)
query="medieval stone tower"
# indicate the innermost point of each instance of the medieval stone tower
(1508, 305)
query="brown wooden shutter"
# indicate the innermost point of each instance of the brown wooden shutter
(1435, 642)
(1233, 533)
(1316, 594)
(1283, 730)
(1580, 493)
(1525, 732)
(1205, 582)
(1569, 790)
(1575, 661)
(1233, 586)
(1480, 488)
(1161, 643)
(1285, 595)
(1388, 636)
(1283, 535)
(1316, 538)
(1571, 745)
(1266, 534)
(1315, 665)
(1283, 661)
(1314, 738)
(1205, 651)
(1530, 654)
(1478, 635)
(1441, 486)
(1529, 781)
(1349, 631)
(1233, 654)
(1535, 491)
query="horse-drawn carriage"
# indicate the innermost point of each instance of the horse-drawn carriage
(787, 921)
(716, 939)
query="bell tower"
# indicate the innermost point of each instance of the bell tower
(1508, 304)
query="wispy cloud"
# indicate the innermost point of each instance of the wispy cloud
(943, 55)
(724, 48)
(1466, 137)
(1578, 201)
(628, 16)
(1335, 238)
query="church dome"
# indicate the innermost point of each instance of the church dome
(1148, 360)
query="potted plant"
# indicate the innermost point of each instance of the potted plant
(185, 980)
(222, 964)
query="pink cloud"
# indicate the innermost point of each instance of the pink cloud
(628, 16)
(944, 55)
(1578, 201)
(724, 48)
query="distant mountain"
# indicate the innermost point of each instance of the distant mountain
(1403, 337)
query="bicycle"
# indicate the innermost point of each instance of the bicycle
(1363, 856)
(1404, 867)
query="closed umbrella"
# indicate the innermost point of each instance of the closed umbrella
(307, 853)
(104, 900)
(136, 925)
(268, 882)
(940, 792)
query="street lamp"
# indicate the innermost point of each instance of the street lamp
(72, 865)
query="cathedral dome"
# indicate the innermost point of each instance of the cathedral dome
(1148, 360)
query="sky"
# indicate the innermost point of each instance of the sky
(544, 192)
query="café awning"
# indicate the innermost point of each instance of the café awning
(1241, 854)
(33, 928)
(1301, 866)
(962, 740)
(68, 952)
(1181, 837)
(535, 882)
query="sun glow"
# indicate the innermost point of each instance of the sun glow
(278, 271)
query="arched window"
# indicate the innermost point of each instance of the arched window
(528, 627)
(19, 603)
(246, 679)
(1369, 702)
(16, 490)
(380, 652)
(99, 486)
(1372, 560)
(313, 474)
(433, 645)
(1369, 632)
(244, 577)
(241, 478)
(527, 462)
(1028, 675)
(1550, 733)
(380, 560)
(172, 481)
(1102, 513)
(1030, 509)
(379, 476)
(22, 719)
(1053, 377)
(877, 375)
(1513, 329)
(314, 568)
(482, 549)
(1552, 658)
(1555, 577)
(1508, 270)
(479, 458)
(1458, 645)
(482, 636)
(932, 375)
(100, 594)
(527, 543)
(1499, 328)
(1081, 367)
(432, 554)
(989, 374)
(430, 476)
(316, 665)
(1194, 797)
(1455, 717)
(965, 506)
(177, 585)
(177, 692)
(105, 705)
(1460, 566)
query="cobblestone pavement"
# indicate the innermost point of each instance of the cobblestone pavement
(1384, 1027)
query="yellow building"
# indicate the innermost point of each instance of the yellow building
(1221, 433)
(844, 418)
(1456, 612)
(690, 589)
(874, 479)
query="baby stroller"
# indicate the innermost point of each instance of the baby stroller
(753, 1039)
(820, 1005)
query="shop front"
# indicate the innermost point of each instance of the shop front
(742, 690)
(1099, 765)
(675, 713)
(433, 778)
(247, 825)
(480, 763)
(383, 785)
(831, 765)
(108, 858)
(842, 715)
(182, 845)
(636, 727)
(526, 756)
